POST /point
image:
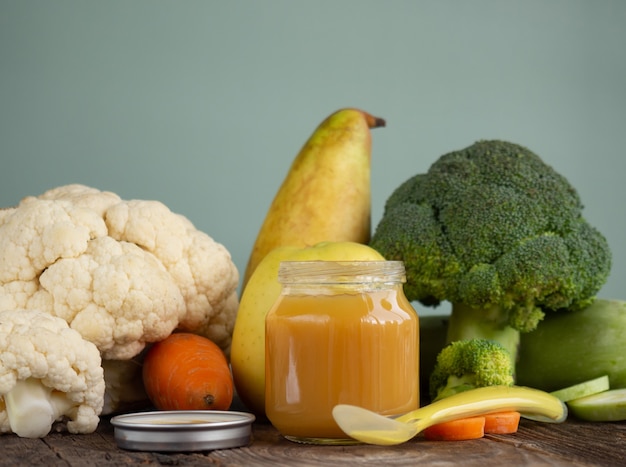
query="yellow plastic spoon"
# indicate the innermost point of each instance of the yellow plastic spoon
(369, 427)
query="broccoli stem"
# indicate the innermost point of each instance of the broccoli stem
(467, 322)
(32, 408)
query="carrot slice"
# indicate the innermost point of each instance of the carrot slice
(474, 427)
(502, 422)
(456, 430)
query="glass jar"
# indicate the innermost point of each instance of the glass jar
(341, 332)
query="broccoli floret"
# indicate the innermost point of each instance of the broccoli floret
(498, 233)
(470, 364)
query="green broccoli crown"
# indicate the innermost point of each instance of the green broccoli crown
(468, 364)
(492, 224)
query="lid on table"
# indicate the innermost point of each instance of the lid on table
(182, 430)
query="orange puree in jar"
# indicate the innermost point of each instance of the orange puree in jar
(327, 347)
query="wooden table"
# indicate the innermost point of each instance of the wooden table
(573, 443)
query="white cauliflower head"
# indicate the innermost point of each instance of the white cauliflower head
(115, 294)
(48, 374)
(122, 273)
(201, 267)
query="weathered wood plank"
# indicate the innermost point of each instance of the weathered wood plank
(570, 444)
(598, 443)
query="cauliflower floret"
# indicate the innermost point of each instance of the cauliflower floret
(201, 267)
(15, 294)
(39, 232)
(4, 213)
(48, 374)
(115, 294)
(83, 196)
(124, 381)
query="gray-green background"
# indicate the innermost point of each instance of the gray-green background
(204, 104)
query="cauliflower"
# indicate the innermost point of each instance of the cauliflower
(201, 268)
(48, 374)
(115, 294)
(124, 385)
(121, 273)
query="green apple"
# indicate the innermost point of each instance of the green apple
(247, 354)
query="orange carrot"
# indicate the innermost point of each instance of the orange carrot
(502, 422)
(456, 430)
(474, 427)
(187, 372)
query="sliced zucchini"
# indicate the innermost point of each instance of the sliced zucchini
(607, 406)
(584, 389)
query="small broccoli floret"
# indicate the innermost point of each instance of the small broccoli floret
(498, 233)
(470, 364)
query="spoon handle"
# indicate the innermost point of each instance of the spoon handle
(533, 403)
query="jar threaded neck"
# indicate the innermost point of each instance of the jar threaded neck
(341, 272)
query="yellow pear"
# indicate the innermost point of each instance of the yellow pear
(326, 195)
(247, 353)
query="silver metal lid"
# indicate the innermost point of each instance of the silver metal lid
(182, 430)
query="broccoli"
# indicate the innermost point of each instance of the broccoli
(470, 364)
(499, 234)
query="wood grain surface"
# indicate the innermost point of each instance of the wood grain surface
(572, 443)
